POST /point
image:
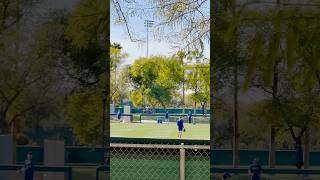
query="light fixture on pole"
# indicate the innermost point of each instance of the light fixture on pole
(148, 24)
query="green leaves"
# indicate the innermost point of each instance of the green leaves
(231, 33)
(273, 53)
(88, 23)
(83, 114)
(256, 47)
(292, 45)
(198, 80)
(156, 78)
(116, 55)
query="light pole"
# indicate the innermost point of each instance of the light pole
(148, 24)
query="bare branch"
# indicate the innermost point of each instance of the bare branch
(121, 15)
(24, 111)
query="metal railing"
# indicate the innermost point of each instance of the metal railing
(158, 161)
(267, 171)
(161, 115)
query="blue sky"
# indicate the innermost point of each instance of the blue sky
(135, 50)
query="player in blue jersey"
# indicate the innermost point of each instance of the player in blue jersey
(226, 175)
(28, 168)
(180, 127)
(190, 117)
(167, 116)
(203, 111)
(119, 116)
(255, 170)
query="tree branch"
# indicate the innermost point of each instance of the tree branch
(286, 118)
(121, 15)
(24, 111)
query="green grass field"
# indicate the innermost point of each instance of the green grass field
(159, 131)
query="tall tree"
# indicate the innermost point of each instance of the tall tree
(283, 46)
(87, 30)
(154, 80)
(118, 78)
(21, 77)
(198, 81)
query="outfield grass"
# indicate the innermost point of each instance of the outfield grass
(159, 131)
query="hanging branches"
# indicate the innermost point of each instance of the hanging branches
(189, 20)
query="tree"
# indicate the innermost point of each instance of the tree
(181, 55)
(119, 83)
(91, 18)
(87, 29)
(82, 112)
(198, 81)
(85, 42)
(269, 42)
(116, 56)
(226, 54)
(26, 72)
(283, 50)
(154, 79)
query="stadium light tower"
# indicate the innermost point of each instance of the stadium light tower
(148, 24)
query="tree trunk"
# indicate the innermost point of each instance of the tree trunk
(306, 149)
(235, 120)
(236, 89)
(107, 91)
(183, 84)
(299, 152)
(272, 151)
(3, 124)
(212, 93)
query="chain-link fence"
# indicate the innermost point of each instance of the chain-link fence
(157, 162)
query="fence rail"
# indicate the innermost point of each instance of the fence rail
(161, 110)
(174, 115)
(267, 171)
(159, 161)
(122, 115)
(160, 146)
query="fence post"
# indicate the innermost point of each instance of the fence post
(97, 173)
(70, 173)
(182, 162)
